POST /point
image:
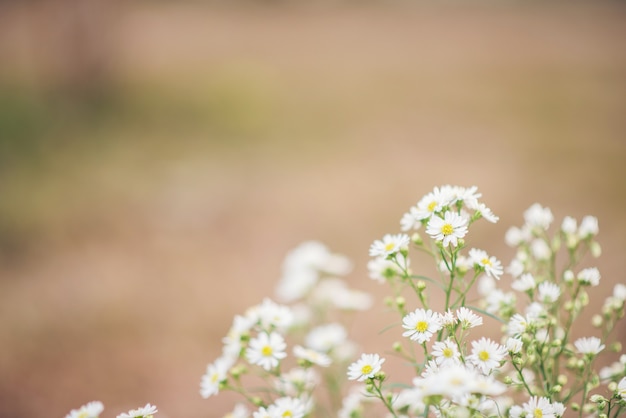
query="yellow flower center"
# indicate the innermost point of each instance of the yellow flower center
(447, 229)
(367, 369)
(287, 414)
(447, 352)
(483, 355)
(432, 205)
(390, 246)
(486, 261)
(214, 377)
(267, 351)
(538, 413)
(421, 326)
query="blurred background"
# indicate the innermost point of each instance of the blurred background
(158, 159)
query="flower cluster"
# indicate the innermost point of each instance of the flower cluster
(95, 408)
(478, 339)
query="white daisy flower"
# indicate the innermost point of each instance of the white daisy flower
(240, 411)
(486, 355)
(91, 410)
(446, 351)
(382, 269)
(518, 325)
(421, 325)
(336, 293)
(447, 319)
(297, 380)
(287, 407)
(326, 337)
(569, 225)
(621, 388)
(514, 345)
(449, 229)
(515, 267)
(467, 318)
(266, 350)
(145, 412)
(538, 216)
(261, 413)
(540, 249)
(486, 213)
(432, 203)
(588, 227)
(590, 345)
(559, 409)
(366, 367)
(539, 407)
(514, 236)
(451, 382)
(410, 220)
(274, 316)
(589, 276)
(549, 292)
(389, 245)
(525, 283)
(490, 265)
(216, 372)
(619, 292)
(296, 283)
(311, 356)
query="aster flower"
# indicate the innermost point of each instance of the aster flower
(486, 213)
(240, 411)
(539, 407)
(490, 265)
(389, 245)
(297, 380)
(215, 373)
(326, 337)
(448, 229)
(549, 292)
(410, 220)
(445, 351)
(420, 325)
(467, 318)
(588, 227)
(312, 356)
(518, 325)
(486, 355)
(366, 367)
(540, 249)
(145, 412)
(382, 269)
(621, 388)
(262, 412)
(537, 216)
(91, 410)
(266, 350)
(287, 407)
(514, 345)
(432, 203)
(525, 283)
(589, 276)
(274, 316)
(589, 346)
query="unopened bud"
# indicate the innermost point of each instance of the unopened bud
(596, 321)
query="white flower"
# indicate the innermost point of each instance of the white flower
(389, 245)
(326, 337)
(261, 413)
(525, 283)
(514, 345)
(452, 382)
(621, 388)
(537, 216)
(216, 372)
(266, 350)
(336, 292)
(232, 342)
(272, 315)
(445, 351)
(432, 203)
(467, 318)
(91, 410)
(549, 292)
(497, 301)
(539, 407)
(410, 220)
(312, 356)
(421, 325)
(486, 354)
(540, 249)
(491, 265)
(590, 276)
(381, 269)
(366, 367)
(295, 284)
(449, 229)
(297, 380)
(287, 407)
(240, 411)
(515, 268)
(447, 319)
(146, 412)
(569, 225)
(590, 345)
(515, 236)
(588, 227)
(619, 292)
(486, 213)
(559, 409)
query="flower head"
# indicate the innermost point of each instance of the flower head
(287, 407)
(448, 229)
(266, 350)
(145, 412)
(421, 325)
(389, 245)
(90, 410)
(446, 351)
(590, 345)
(312, 356)
(589, 276)
(490, 265)
(215, 373)
(538, 408)
(487, 355)
(366, 367)
(467, 318)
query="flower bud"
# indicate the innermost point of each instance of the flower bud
(421, 285)
(400, 302)
(417, 239)
(397, 347)
(562, 379)
(556, 389)
(595, 249)
(596, 321)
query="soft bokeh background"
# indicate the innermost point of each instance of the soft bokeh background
(158, 159)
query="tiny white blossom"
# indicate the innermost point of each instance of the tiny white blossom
(487, 354)
(447, 319)
(486, 213)
(590, 276)
(588, 227)
(326, 337)
(467, 318)
(420, 325)
(91, 410)
(490, 265)
(569, 225)
(515, 267)
(619, 292)
(517, 325)
(312, 356)
(287, 407)
(382, 269)
(449, 229)
(549, 292)
(559, 409)
(145, 412)
(538, 216)
(216, 372)
(539, 407)
(515, 236)
(389, 245)
(266, 350)
(621, 388)
(410, 220)
(540, 249)
(366, 367)
(445, 351)
(525, 283)
(590, 345)
(431, 203)
(261, 413)
(514, 345)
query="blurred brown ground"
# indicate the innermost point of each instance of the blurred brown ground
(158, 160)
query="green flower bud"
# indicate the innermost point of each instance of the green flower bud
(417, 239)
(421, 285)
(596, 321)
(400, 302)
(562, 379)
(397, 347)
(595, 249)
